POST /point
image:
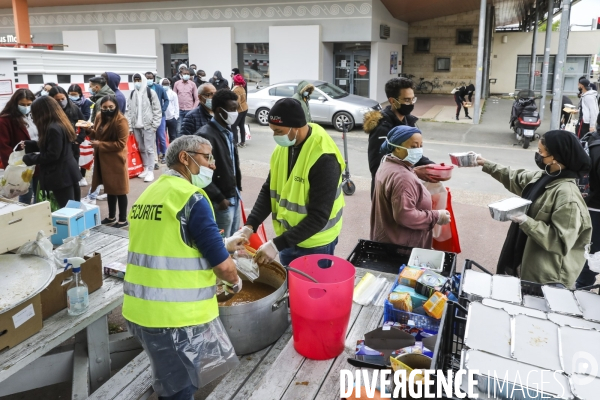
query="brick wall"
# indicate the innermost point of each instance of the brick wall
(442, 34)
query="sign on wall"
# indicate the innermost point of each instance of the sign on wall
(393, 62)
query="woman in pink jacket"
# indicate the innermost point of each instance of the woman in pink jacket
(401, 209)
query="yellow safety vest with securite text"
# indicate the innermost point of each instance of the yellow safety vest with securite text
(168, 284)
(289, 192)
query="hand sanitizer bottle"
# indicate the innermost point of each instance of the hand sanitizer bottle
(77, 291)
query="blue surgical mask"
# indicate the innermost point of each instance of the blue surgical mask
(186, 77)
(208, 104)
(204, 176)
(92, 92)
(137, 85)
(414, 155)
(43, 92)
(284, 140)
(149, 83)
(24, 109)
(74, 98)
(166, 87)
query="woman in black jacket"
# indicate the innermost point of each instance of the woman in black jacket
(74, 114)
(460, 97)
(53, 151)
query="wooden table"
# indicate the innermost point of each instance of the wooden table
(23, 367)
(279, 372)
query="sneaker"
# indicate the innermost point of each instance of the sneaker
(102, 196)
(156, 166)
(120, 224)
(83, 182)
(457, 117)
(88, 200)
(242, 145)
(143, 174)
(108, 221)
(149, 177)
(163, 160)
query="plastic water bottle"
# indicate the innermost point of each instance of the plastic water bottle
(77, 291)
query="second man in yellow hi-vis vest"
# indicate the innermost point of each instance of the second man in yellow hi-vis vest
(176, 254)
(303, 190)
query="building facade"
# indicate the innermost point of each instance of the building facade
(336, 41)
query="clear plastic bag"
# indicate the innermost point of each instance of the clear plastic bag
(246, 265)
(593, 259)
(368, 289)
(17, 176)
(41, 247)
(71, 247)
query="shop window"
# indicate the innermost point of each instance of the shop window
(442, 64)
(464, 36)
(422, 45)
(256, 68)
(179, 55)
(63, 78)
(35, 79)
(86, 78)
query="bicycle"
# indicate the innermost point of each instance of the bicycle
(425, 87)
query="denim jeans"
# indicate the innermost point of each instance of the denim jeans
(587, 277)
(286, 256)
(26, 198)
(161, 140)
(228, 220)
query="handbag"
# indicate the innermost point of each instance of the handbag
(134, 158)
(571, 124)
(448, 240)
(260, 237)
(86, 154)
(248, 134)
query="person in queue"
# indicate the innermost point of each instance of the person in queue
(161, 132)
(113, 80)
(53, 151)
(239, 127)
(302, 191)
(183, 69)
(199, 116)
(218, 81)
(172, 111)
(16, 126)
(109, 140)
(401, 210)
(84, 104)
(144, 115)
(546, 245)
(224, 191)
(45, 90)
(176, 254)
(98, 89)
(187, 94)
(303, 93)
(401, 96)
(460, 98)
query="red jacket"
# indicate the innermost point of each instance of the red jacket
(10, 135)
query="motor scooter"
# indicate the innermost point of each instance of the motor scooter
(525, 119)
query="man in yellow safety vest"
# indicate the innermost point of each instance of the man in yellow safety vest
(176, 254)
(303, 190)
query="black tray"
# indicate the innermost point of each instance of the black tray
(387, 257)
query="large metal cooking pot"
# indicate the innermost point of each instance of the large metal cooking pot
(253, 326)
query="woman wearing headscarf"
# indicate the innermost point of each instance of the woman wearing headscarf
(547, 243)
(238, 88)
(401, 211)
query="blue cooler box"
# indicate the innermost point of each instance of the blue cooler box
(91, 213)
(68, 222)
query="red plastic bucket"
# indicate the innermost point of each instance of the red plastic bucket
(321, 311)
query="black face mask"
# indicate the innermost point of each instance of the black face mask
(405, 109)
(539, 161)
(109, 113)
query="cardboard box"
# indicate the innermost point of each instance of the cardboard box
(21, 322)
(68, 222)
(20, 223)
(54, 297)
(91, 213)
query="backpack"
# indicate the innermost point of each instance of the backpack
(587, 142)
(148, 92)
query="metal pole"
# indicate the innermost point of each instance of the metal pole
(492, 24)
(533, 47)
(546, 57)
(559, 64)
(486, 54)
(479, 71)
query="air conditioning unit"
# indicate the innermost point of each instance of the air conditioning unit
(384, 31)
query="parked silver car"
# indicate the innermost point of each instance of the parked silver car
(329, 104)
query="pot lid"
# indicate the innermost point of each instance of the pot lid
(440, 167)
(21, 278)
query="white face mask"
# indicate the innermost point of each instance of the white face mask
(231, 117)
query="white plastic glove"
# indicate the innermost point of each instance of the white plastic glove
(235, 242)
(266, 253)
(245, 231)
(519, 219)
(229, 287)
(444, 217)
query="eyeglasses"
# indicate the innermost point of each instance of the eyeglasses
(207, 95)
(407, 100)
(208, 157)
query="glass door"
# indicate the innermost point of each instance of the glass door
(352, 72)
